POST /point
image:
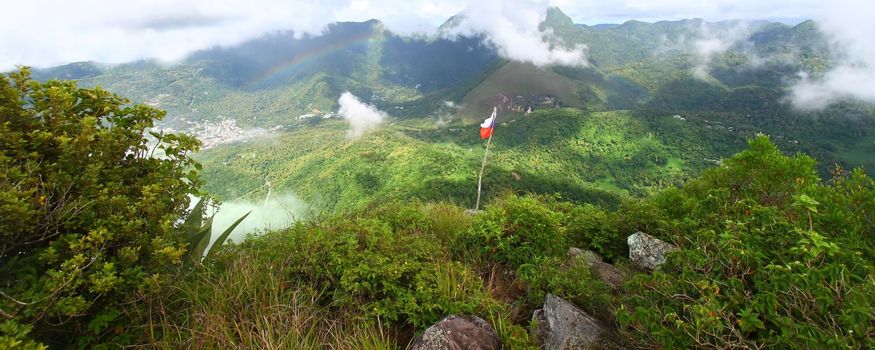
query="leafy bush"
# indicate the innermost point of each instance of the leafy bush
(771, 257)
(572, 281)
(517, 230)
(593, 228)
(87, 213)
(363, 264)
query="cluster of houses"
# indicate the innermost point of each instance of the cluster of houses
(527, 104)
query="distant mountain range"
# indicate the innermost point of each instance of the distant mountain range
(267, 81)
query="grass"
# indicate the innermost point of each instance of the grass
(253, 306)
(297, 288)
(860, 153)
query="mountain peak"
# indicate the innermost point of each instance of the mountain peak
(556, 18)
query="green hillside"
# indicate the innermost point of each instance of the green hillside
(595, 157)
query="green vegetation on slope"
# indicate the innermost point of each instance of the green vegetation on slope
(87, 214)
(584, 157)
(771, 256)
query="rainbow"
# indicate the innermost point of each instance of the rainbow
(311, 55)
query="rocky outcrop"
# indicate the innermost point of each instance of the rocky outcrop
(458, 333)
(647, 252)
(607, 273)
(561, 325)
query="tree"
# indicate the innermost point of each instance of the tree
(90, 204)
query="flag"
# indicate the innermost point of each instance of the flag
(488, 125)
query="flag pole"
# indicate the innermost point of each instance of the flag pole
(483, 164)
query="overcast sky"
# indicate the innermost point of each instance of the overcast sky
(43, 33)
(50, 32)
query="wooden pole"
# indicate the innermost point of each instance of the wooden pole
(483, 164)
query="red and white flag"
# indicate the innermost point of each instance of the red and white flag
(488, 125)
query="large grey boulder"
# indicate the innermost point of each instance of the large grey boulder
(647, 252)
(607, 273)
(561, 325)
(458, 333)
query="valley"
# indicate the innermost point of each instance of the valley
(267, 109)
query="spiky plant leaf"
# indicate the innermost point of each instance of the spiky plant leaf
(192, 224)
(198, 242)
(221, 240)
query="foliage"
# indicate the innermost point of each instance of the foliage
(383, 268)
(87, 208)
(513, 336)
(15, 336)
(765, 263)
(596, 229)
(770, 257)
(515, 231)
(572, 281)
(198, 235)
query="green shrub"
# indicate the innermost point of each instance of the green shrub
(593, 228)
(770, 258)
(573, 282)
(362, 263)
(517, 230)
(87, 208)
(16, 336)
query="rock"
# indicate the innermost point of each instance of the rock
(574, 253)
(647, 252)
(607, 273)
(561, 325)
(458, 333)
(472, 212)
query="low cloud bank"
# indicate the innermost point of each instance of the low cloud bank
(513, 29)
(362, 117)
(852, 55)
(849, 29)
(715, 41)
(275, 213)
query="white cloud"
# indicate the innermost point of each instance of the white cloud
(274, 213)
(842, 83)
(362, 117)
(49, 32)
(618, 11)
(849, 28)
(713, 41)
(512, 28)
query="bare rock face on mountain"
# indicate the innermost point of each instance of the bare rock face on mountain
(647, 252)
(458, 333)
(561, 325)
(607, 273)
